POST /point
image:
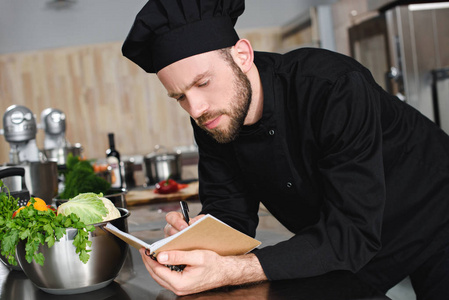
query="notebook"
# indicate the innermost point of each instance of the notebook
(208, 233)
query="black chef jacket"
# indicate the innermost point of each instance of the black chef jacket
(360, 177)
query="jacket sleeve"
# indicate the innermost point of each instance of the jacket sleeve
(347, 129)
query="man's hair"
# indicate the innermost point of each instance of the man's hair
(225, 53)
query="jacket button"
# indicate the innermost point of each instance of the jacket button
(271, 132)
(289, 184)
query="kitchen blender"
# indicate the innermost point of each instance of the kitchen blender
(19, 129)
(56, 146)
(41, 176)
(53, 121)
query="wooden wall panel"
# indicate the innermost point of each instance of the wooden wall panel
(100, 91)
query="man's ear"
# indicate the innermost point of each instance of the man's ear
(243, 55)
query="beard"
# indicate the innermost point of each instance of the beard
(237, 112)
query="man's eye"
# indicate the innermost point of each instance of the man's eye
(180, 98)
(204, 83)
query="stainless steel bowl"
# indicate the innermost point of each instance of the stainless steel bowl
(60, 155)
(63, 273)
(17, 286)
(8, 265)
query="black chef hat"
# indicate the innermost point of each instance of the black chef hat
(166, 31)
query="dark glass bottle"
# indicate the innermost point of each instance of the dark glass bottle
(113, 159)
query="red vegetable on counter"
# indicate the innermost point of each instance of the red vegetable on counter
(167, 186)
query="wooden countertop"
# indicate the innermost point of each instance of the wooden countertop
(146, 196)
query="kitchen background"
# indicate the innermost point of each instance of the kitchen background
(66, 54)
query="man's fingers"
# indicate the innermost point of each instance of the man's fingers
(193, 220)
(185, 257)
(176, 220)
(169, 230)
(153, 267)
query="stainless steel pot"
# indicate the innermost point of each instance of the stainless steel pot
(41, 179)
(14, 182)
(59, 155)
(160, 166)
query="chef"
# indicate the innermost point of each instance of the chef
(360, 177)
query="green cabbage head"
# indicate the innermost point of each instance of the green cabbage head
(90, 208)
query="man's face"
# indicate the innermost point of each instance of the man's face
(214, 91)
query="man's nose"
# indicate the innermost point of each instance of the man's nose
(197, 107)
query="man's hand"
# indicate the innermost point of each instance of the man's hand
(204, 270)
(176, 222)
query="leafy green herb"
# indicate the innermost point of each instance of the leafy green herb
(36, 228)
(7, 206)
(81, 178)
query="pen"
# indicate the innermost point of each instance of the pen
(185, 211)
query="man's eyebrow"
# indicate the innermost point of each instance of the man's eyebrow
(195, 80)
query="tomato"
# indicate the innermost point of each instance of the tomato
(17, 211)
(51, 207)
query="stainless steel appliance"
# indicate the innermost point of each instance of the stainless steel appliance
(56, 145)
(54, 125)
(406, 47)
(41, 176)
(19, 129)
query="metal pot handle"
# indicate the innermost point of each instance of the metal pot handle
(13, 171)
